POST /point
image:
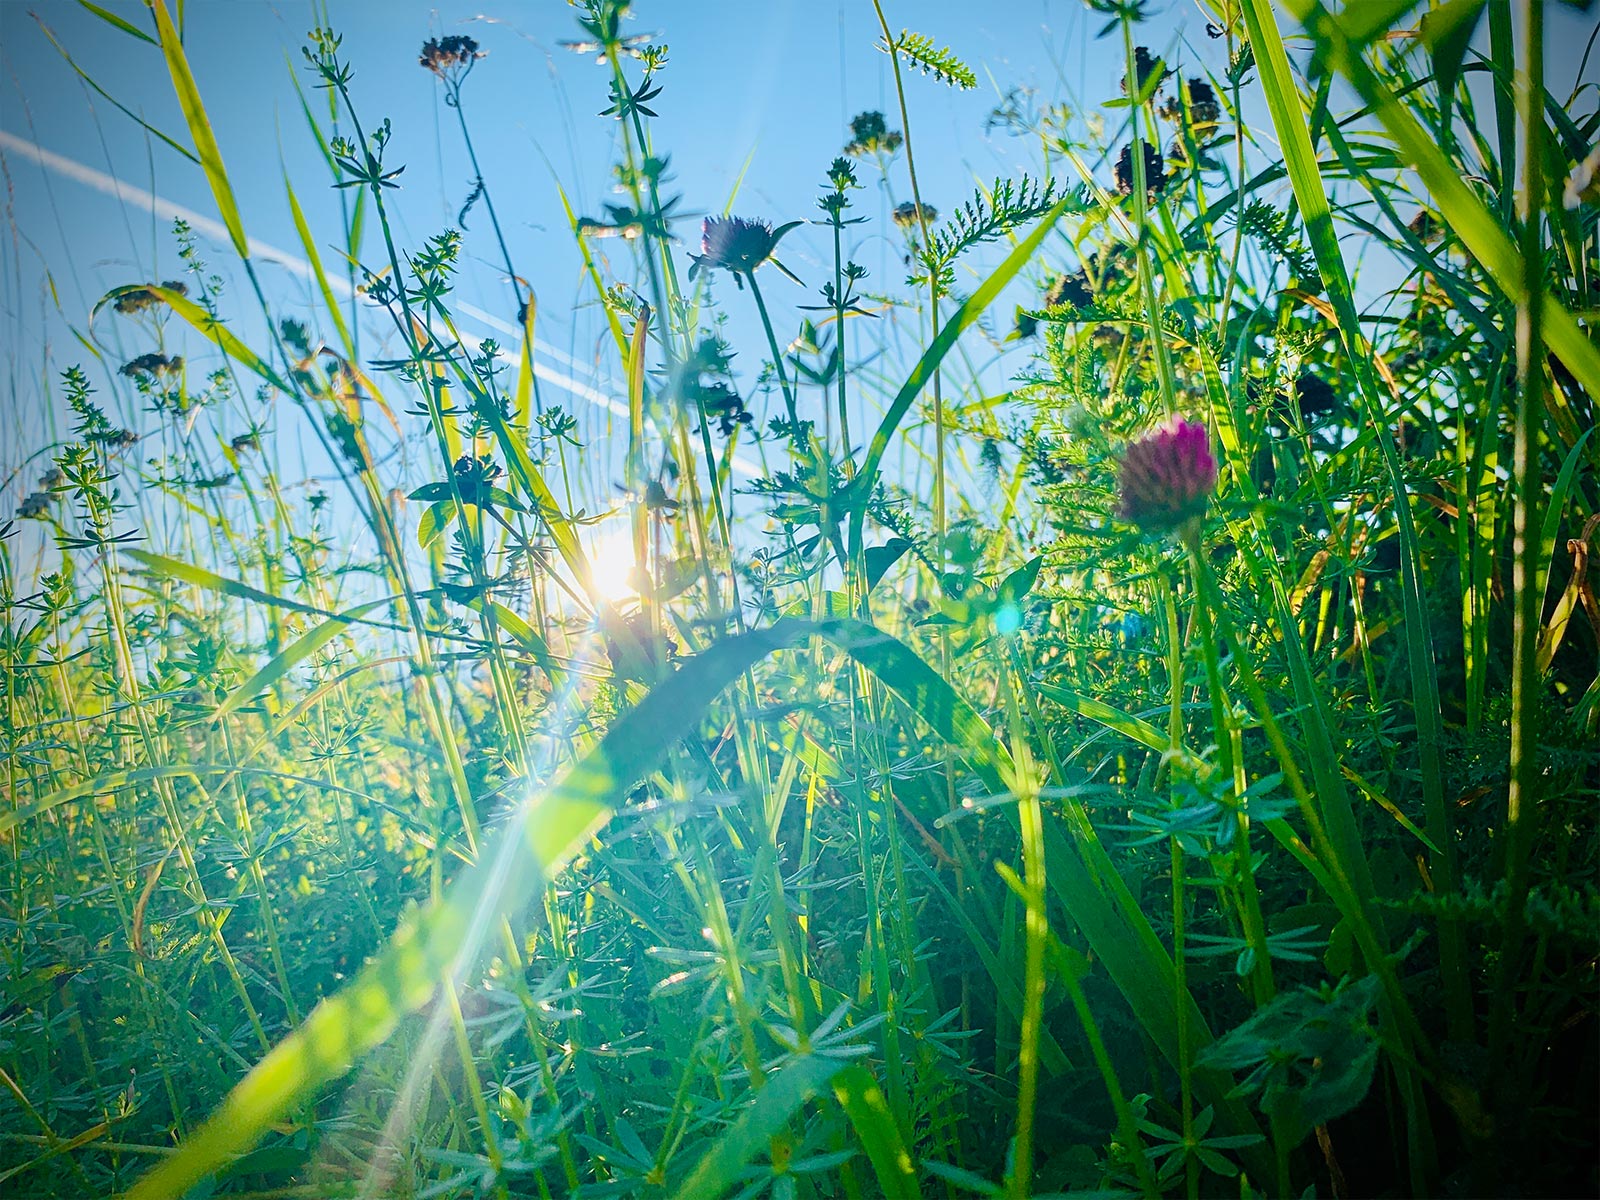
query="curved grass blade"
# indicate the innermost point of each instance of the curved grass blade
(207, 326)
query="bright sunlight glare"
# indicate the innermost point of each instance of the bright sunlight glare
(611, 563)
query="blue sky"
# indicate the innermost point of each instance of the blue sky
(771, 85)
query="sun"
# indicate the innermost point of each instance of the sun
(611, 565)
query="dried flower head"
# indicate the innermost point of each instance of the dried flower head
(450, 57)
(1205, 112)
(1155, 174)
(1315, 395)
(870, 135)
(34, 505)
(113, 439)
(1583, 185)
(1144, 65)
(138, 299)
(736, 244)
(1070, 289)
(1424, 226)
(474, 479)
(1168, 476)
(910, 215)
(151, 365)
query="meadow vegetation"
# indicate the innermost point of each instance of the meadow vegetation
(1168, 771)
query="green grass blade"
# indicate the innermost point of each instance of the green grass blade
(121, 107)
(309, 245)
(1478, 230)
(210, 581)
(862, 1099)
(194, 112)
(111, 18)
(1338, 812)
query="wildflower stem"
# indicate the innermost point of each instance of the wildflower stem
(777, 355)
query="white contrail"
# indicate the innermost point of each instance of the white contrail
(166, 210)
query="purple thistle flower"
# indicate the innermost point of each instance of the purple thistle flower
(737, 244)
(1168, 476)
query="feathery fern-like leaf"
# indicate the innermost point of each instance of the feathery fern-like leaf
(919, 50)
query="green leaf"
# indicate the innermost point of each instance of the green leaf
(1016, 586)
(879, 559)
(435, 521)
(919, 50)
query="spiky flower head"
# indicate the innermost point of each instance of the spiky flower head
(737, 244)
(1071, 289)
(1205, 111)
(1168, 476)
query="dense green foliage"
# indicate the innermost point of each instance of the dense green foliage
(917, 824)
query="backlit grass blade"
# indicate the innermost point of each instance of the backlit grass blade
(406, 972)
(194, 112)
(199, 577)
(111, 18)
(309, 245)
